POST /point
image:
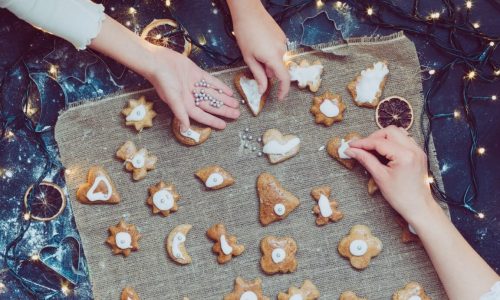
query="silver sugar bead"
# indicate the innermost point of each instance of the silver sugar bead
(259, 154)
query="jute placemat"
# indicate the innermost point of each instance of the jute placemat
(90, 134)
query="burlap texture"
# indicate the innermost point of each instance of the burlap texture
(90, 134)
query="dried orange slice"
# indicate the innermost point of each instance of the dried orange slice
(47, 203)
(396, 111)
(167, 33)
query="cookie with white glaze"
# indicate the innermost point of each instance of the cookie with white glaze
(123, 238)
(194, 136)
(328, 109)
(278, 255)
(248, 88)
(225, 246)
(214, 177)
(336, 148)
(276, 203)
(366, 89)
(163, 199)
(138, 162)
(176, 247)
(139, 113)
(279, 147)
(99, 188)
(308, 291)
(306, 74)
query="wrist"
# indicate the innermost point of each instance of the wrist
(429, 217)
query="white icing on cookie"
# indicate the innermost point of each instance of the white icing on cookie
(369, 82)
(250, 88)
(163, 199)
(137, 114)
(303, 75)
(100, 196)
(344, 145)
(358, 247)
(191, 134)
(214, 180)
(249, 295)
(275, 147)
(415, 298)
(329, 108)
(179, 239)
(224, 245)
(279, 209)
(123, 240)
(278, 255)
(411, 229)
(139, 159)
(296, 297)
(324, 206)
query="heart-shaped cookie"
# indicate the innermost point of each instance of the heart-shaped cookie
(337, 146)
(280, 147)
(195, 135)
(64, 259)
(99, 188)
(248, 88)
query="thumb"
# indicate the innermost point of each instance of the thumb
(258, 72)
(369, 161)
(180, 113)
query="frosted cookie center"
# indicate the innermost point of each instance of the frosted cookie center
(279, 209)
(344, 145)
(324, 206)
(278, 255)
(296, 297)
(191, 134)
(214, 180)
(179, 239)
(226, 249)
(411, 229)
(138, 160)
(137, 114)
(303, 75)
(249, 295)
(123, 240)
(250, 88)
(369, 83)
(163, 200)
(415, 298)
(329, 108)
(92, 195)
(358, 247)
(275, 147)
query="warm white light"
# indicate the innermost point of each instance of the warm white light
(497, 72)
(468, 4)
(432, 72)
(35, 257)
(128, 23)
(26, 216)
(476, 25)
(369, 11)
(9, 134)
(53, 70)
(494, 97)
(232, 32)
(132, 10)
(319, 3)
(430, 180)
(202, 40)
(65, 288)
(338, 4)
(434, 15)
(168, 3)
(492, 44)
(456, 114)
(471, 75)
(480, 215)
(481, 150)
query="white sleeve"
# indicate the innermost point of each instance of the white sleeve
(493, 294)
(77, 21)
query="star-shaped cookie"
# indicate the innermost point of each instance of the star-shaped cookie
(163, 198)
(137, 162)
(123, 238)
(246, 290)
(308, 291)
(328, 109)
(139, 113)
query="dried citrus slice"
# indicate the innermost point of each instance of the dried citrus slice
(47, 202)
(167, 33)
(396, 111)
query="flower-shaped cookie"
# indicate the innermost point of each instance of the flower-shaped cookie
(276, 203)
(278, 255)
(408, 233)
(99, 188)
(139, 113)
(308, 291)
(326, 210)
(280, 147)
(163, 198)
(348, 295)
(328, 109)
(306, 74)
(128, 293)
(123, 238)
(195, 135)
(372, 186)
(176, 247)
(367, 88)
(225, 245)
(337, 146)
(360, 246)
(214, 177)
(246, 290)
(411, 291)
(137, 162)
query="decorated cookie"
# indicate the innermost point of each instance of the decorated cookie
(278, 255)
(336, 147)
(372, 186)
(348, 295)
(306, 74)
(360, 246)
(214, 177)
(195, 135)
(128, 293)
(139, 113)
(280, 147)
(411, 291)
(225, 245)
(123, 238)
(326, 210)
(308, 291)
(276, 203)
(248, 88)
(367, 88)
(328, 109)
(408, 233)
(139, 162)
(99, 188)
(163, 198)
(246, 290)
(175, 244)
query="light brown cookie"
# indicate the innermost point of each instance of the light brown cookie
(348, 295)
(139, 113)
(214, 177)
(366, 89)
(411, 291)
(128, 293)
(163, 198)
(360, 246)
(276, 203)
(326, 210)
(248, 88)
(225, 245)
(195, 135)
(306, 75)
(279, 147)
(246, 290)
(123, 238)
(308, 291)
(139, 162)
(99, 188)
(176, 248)
(372, 186)
(408, 233)
(336, 147)
(278, 255)
(328, 109)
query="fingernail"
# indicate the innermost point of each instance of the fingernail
(184, 128)
(350, 153)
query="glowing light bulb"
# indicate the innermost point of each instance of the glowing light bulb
(53, 70)
(471, 75)
(202, 40)
(369, 11)
(468, 4)
(128, 23)
(432, 72)
(434, 15)
(492, 44)
(430, 179)
(65, 288)
(9, 134)
(132, 11)
(319, 4)
(480, 215)
(26, 216)
(338, 4)
(481, 150)
(35, 257)
(456, 114)
(497, 72)
(476, 25)
(494, 97)
(168, 3)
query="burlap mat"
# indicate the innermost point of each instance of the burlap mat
(90, 134)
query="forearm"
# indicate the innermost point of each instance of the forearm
(240, 8)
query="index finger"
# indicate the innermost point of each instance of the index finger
(281, 72)
(384, 147)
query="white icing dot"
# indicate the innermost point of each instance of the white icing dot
(358, 247)
(190, 133)
(324, 206)
(344, 145)
(214, 180)
(275, 147)
(296, 297)
(250, 88)
(415, 298)
(163, 199)
(137, 114)
(411, 229)
(138, 160)
(278, 255)
(226, 248)
(329, 108)
(279, 209)
(248, 295)
(179, 238)
(123, 240)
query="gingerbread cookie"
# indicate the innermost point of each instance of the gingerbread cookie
(278, 255)
(276, 203)
(348, 295)
(408, 233)
(137, 162)
(215, 177)
(225, 245)
(279, 147)
(328, 109)
(411, 291)
(248, 88)
(195, 135)
(128, 293)
(372, 186)
(367, 88)
(99, 188)
(175, 244)
(139, 113)
(308, 291)
(326, 210)
(246, 290)
(360, 246)
(306, 74)
(336, 148)
(123, 238)
(163, 198)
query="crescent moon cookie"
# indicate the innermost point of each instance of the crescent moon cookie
(326, 210)
(336, 148)
(163, 199)
(137, 162)
(248, 88)
(408, 233)
(195, 135)
(328, 109)
(411, 291)
(175, 244)
(128, 293)
(278, 255)
(279, 147)
(139, 113)
(123, 238)
(308, 291)
(360, 246)
(246, 290)
(348, 295)
(306, 75)
(276, 203)
(214, 177)
(225, 245)
(366, 89)
(99, 188)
